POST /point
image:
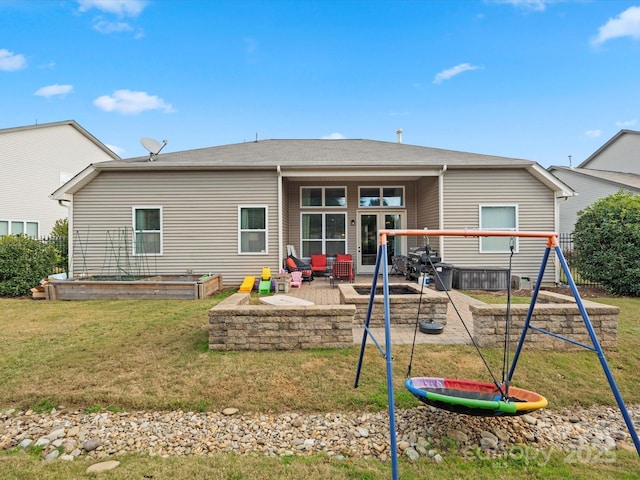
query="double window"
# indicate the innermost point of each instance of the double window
(147, 230)
(252, 231)
(323, 197)
(324, 232)
(18, 227)
(498, 218)
(378, 197)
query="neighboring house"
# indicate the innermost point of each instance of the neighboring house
(34, 161)
(234, 209)
(613, 167)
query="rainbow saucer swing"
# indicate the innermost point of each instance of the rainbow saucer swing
(472, 397)
(467, 396)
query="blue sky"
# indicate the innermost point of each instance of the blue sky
(533, 79)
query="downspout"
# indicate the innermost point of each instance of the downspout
(441, 208)
(280, 234)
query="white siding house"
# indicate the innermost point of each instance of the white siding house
(34, 161)
(234, 209)
(613, 167)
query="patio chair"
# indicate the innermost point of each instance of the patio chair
(296, 279)
(342, 270)
(293, 264)
(400, 265)
(319, 264)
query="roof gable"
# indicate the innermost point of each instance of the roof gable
(71, 123)
(607, 146)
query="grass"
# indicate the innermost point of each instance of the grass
(513, 466)
(126, 355)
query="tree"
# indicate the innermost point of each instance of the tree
(607, 243)
(60, 228)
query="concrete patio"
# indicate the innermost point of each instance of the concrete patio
(320, 292)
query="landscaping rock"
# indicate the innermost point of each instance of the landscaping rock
(103, 466)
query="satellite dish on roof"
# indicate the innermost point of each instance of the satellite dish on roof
(152, 146)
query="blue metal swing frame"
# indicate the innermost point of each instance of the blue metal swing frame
(552, 243)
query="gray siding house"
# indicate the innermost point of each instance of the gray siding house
(35, 160)
(234, 209)
(613, 167)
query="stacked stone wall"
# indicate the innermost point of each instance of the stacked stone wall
(561, 317)
(236, 325)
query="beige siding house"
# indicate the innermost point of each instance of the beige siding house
(234, 209)
(613, 167)
(34, 161)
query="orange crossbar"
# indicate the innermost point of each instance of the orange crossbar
(551, 236)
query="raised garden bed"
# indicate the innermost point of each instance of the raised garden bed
(185, 287)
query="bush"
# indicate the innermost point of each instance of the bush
(607, 243)
(24, 261)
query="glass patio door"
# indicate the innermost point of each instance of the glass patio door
(368, 225)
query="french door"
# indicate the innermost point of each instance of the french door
(369, 222)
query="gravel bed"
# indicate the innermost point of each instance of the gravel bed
(595, 432)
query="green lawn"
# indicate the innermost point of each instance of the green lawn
(126, 355)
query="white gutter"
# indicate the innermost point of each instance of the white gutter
(441, 208)
(280, 234)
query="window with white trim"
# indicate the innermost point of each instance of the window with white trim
(381, 197)
(323, 196)
(147, 230)
(323, 232)
(19, 227)
(252, 229)
(500, 218)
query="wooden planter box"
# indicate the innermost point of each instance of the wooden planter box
(186, 287)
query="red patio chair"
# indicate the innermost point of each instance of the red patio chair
(342, 271)
(319, 264)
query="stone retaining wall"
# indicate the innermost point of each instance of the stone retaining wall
(236, 325)
(402, 308)
(553, 312)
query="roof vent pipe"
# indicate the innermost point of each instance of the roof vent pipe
(399, 134)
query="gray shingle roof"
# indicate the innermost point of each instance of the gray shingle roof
(630, 180)
(318, 154)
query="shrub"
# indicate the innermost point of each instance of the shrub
(607, 243)
(24, 261)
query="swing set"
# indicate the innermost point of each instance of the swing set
(467, 396)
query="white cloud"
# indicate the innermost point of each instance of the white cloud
(10, 61)
(535, 5)
(105, 26)
(333, 136)
(130, 103)
(627, 24)
(51, 90)
(593, 133)
(627, 123)
(123, 8)
(115, 149)
(452, 72)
